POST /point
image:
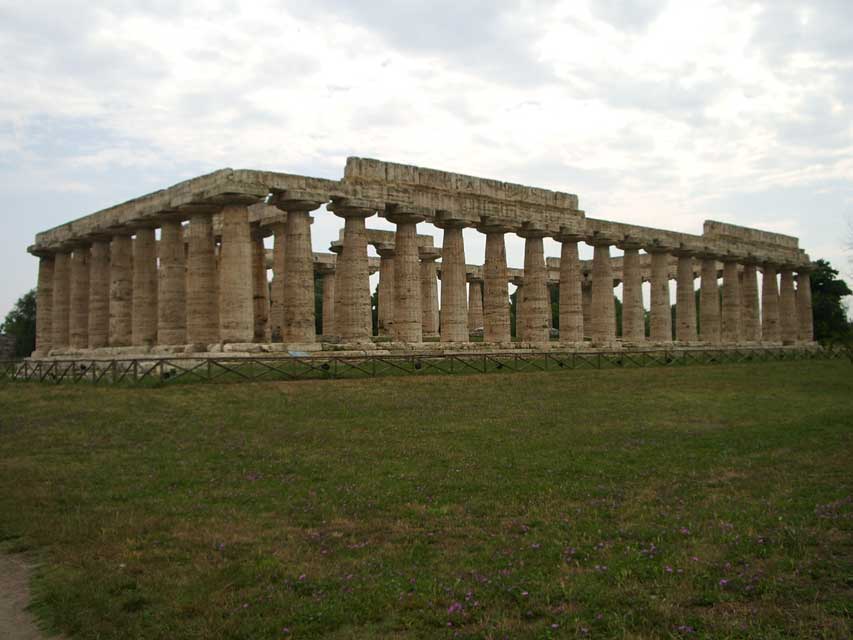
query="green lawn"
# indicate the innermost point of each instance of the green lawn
(700, 502)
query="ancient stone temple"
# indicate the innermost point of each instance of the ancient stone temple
(185, 270)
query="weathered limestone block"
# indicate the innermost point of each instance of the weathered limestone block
(685, 300)
(144, 321)
(202, 287)
(534, 300)
(298, 296)
(787, 306)
(260, 288)
(429, 292)
(633, 321)
(475, 305)
(709, 302)
(805, 317)
(407, 279)
(121, 291)
(770, 327)
(660, 321)
(454, 304)
(79, 314)
(172, 293)
(731, 333)
(99, 295)
(385, 312)
(61, 301)
(496, 327)
(750, 314)
(44, 305)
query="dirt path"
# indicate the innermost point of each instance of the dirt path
(15, 622)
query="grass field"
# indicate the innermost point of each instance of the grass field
(701, 502)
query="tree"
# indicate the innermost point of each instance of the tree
(830, 316)
(21, 323)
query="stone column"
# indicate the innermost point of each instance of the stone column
(496, 327)
(731, 301)
(99, 295)
(236, 297)
(277, 287)
(144, 321)
(429, 291)
(61, 301)
(571, 307)
(534, 294)
(633, 321)
(352, 280)
(79, 298)
(709, 301)
(787, 306)
(520, 318)
(805, 314)
(329, 279)
(385, 310)
(603, 309)
(44, 305)
(202, 296)
(770, 328)
(261, 286)
(172, 292)
(407, 276)
(475, 304)
(586, 302)
(454, 304)
(298, 295)
(685, 298)
(121, 291)
(660, 320)
(750, 313)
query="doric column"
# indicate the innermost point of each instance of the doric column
(685, 298)
(407, 276)
(329, 280)
(277, 286)
(121, 290)
(770, 327)
(202, 296)
(534, 294)
(731, 333)
(520, 319)
(709, 301)
(750, 312)
(352, 280)
(475, 304)
(586, 302)
(571, 306)
(144, 321)
(236, 296)
(261, 286)
(633, 320)
(496, 327)
(61, 300)
(660, 320)
(298, 324)
(99, 294)
(172, 292)
(385, 298)
(44, 305)
(429, 291)
(454, 303)
(79, 298)
(787, 305)
(603, 307)
(805, 317)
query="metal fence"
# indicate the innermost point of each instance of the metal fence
(159, 371)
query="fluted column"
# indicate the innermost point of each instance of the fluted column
(454, 303)
(685, 298)
(277, 286)
(352, 282)
(144, 321)
(805, 317)
(44, 305)
(261, 286)
(202, 296)
(121, 291)
(520, 318)
(429, 291)
(586, 302)
(298, 294)
(709, 301)
(787, 306)
(496, 327)
(329, 281)
(571, 307)
(603, 306)
(731, 331)
(475, 304)
(385, 311)
(407, 277)
(79, 298)
(99, 295)
(172, 282)
(770, 327)
(61, 300)
(633, 321)
(660, 320)
(236, 296)
(534, 293)
(750, 312)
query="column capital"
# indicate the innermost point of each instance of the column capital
(450, 219)
(384, 249)
(295, 200)
(656, 246)
(686, 250)
(532, 230)
(354, 207)
(403, 214)
(599, 239)
(337, 247)
(490, 224)
(630, 243)
(427, 254)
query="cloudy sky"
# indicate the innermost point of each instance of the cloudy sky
(657, 113)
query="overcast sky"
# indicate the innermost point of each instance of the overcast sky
(656, 113)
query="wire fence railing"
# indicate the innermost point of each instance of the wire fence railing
(160, 371)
